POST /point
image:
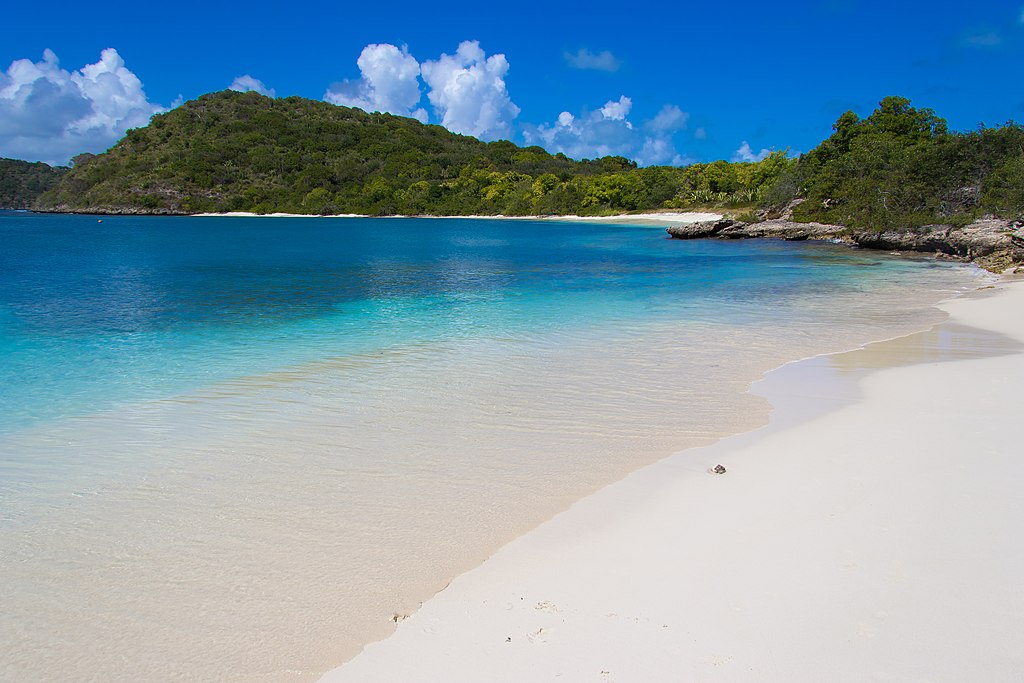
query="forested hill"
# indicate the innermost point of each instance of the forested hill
(899, 168)
(231, 151)
(22, 181)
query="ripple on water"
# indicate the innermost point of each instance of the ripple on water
(257, 500)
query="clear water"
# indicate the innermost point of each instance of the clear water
(233, 448)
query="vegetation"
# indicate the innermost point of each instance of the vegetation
(232, 151)
(22, 181)
(901, 168)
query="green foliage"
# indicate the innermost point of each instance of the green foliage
(900, 168)
(234, 151)
(21, 182)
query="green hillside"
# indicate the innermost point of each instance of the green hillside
(232, 151)
(898, 168)
(21, 182)
(901, 168)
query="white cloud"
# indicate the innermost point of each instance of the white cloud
(658, 151)
(608, 131)
(745, 153)
(467, 91)
(585, 59)
(617, 111)
(389, 83)
(700, 134)
(50, 114)
(669, 120)
(247, 83)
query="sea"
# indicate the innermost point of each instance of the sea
(241, 448)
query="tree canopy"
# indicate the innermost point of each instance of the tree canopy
(234, 151)
(22, 181)
(901, 168)
(898, 168)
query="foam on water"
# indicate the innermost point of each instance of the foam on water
(248, 444)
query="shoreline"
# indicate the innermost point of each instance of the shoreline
(792, 565)
(649, 218)
(994, 244)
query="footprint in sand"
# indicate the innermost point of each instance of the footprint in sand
(539, 636)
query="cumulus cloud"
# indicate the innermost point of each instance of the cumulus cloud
(247, 83)
(609, 131)
(618, 111)
(468, 93)
(585, 59)
(669, 120)
(389, 83)
(745, 153)
(50, 114)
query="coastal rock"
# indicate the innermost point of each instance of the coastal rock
(992, 243)
(702, 229)
(727, 228)
(787, 212)
(784, 229)
(982, 238)
(717, 469)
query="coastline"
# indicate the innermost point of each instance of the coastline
(844, 542)
(486, 437)
(651, 218)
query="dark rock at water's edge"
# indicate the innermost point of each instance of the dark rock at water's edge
(112, 211)
(728, 228)
(980, 238)
(994, 244)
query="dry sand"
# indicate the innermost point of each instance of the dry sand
(873, 531)
(659, 219)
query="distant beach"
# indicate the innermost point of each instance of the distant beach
(872, 531)
(655, 218)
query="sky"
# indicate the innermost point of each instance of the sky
(657, 82)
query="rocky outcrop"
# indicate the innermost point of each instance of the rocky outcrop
(114, 210)
(980, 238)
(727, 228)
(703, 229)
(992, 243)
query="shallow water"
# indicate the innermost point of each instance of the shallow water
(234, 449)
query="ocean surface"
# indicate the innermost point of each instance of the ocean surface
(239, 448)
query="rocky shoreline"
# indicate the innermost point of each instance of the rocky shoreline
(991, 243)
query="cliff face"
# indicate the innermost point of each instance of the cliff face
(993, 244)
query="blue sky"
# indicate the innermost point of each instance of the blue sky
(658, 82)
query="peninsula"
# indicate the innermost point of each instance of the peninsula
(897, 179)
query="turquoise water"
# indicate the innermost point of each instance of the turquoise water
(97, 314)
(233, 448)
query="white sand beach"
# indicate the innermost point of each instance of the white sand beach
(657, 218)
(873, 531)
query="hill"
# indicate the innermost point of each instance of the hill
(898, 169)
(231, 151)
(21, 182)
(901, 169)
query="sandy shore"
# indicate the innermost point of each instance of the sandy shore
(660, 219)
(874, 530)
